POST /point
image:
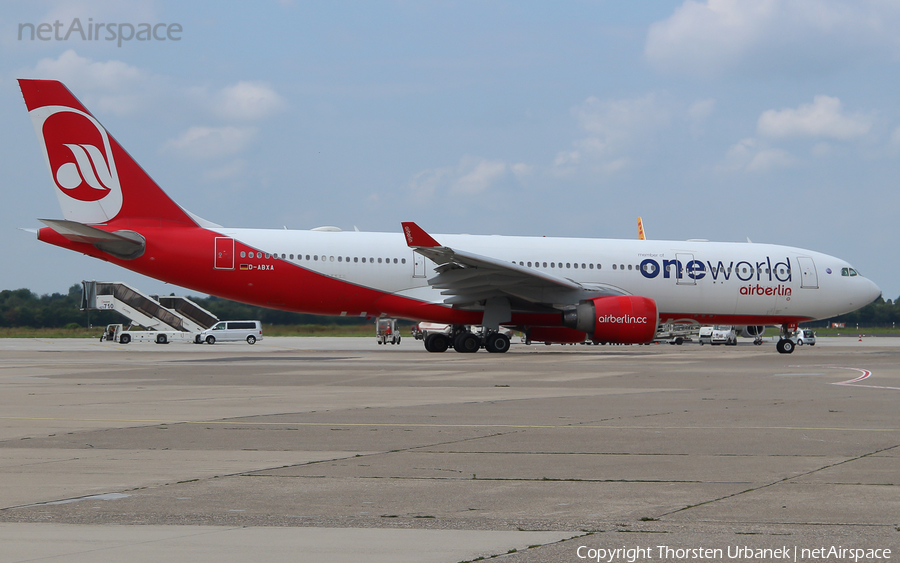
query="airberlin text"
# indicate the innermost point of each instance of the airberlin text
(732, 552)
(624, 319)
(92, 31)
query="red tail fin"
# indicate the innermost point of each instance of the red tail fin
(96, 180)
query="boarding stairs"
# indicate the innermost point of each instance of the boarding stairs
(167, 313)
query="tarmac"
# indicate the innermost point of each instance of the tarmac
(341, 450)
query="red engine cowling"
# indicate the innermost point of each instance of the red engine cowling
(623, 319)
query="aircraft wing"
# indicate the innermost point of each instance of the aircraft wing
(467, 278)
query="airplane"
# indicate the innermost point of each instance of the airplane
(553, 289)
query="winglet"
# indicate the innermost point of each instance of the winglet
(417, 237)
(641, 235)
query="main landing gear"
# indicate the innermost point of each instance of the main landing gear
(466, 342)
(785, 344)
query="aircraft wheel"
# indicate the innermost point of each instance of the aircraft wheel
(497, 343)
(210, 339)
(125, 339)
(785, 346)
(251, 339)
(466, 343)
(436, 343)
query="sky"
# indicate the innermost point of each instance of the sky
(773, 120)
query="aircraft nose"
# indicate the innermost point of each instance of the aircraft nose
(872, 292)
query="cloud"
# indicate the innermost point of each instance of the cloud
(615, 127)
(772, 36)
(821, 119)
(211, 142)
(111, 86)
(701, 109)
(472, 176)
(750, 155)
(768, 159)
(246, 101)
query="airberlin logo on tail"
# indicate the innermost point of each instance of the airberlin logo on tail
(79, 155)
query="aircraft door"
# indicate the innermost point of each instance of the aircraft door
(809, 279)
(224, 259)
(682, 276)
(418, 265)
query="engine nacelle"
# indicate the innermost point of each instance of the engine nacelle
(622, 319)
(751, 331)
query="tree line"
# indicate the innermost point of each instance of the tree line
(24, 308)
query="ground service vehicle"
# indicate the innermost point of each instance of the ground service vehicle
(718, 335)
(119, 333)
(804, 336)
(386, 331)
(232, 331)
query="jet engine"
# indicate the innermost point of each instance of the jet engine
(751, 331)
(622, 319)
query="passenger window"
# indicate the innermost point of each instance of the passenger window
(598, 266)
(355, 259)
(316, 257)
(307, 256)
(403, 260)
(395, 260)
(545, 264)
(371, 260)
(614, 267)
(591, 266)
(621, 266)
(292, 256)
(629, 266)
(259, 254)
(340, 259)
(379, 260)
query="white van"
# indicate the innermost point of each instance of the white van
(718, 335)
(229, 331)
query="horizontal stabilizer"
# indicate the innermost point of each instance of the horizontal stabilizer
(126, 245)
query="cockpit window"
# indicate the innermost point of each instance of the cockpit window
(853, 272)
(849, 272)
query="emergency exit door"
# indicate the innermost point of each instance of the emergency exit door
(224, 259)
(809, 279)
